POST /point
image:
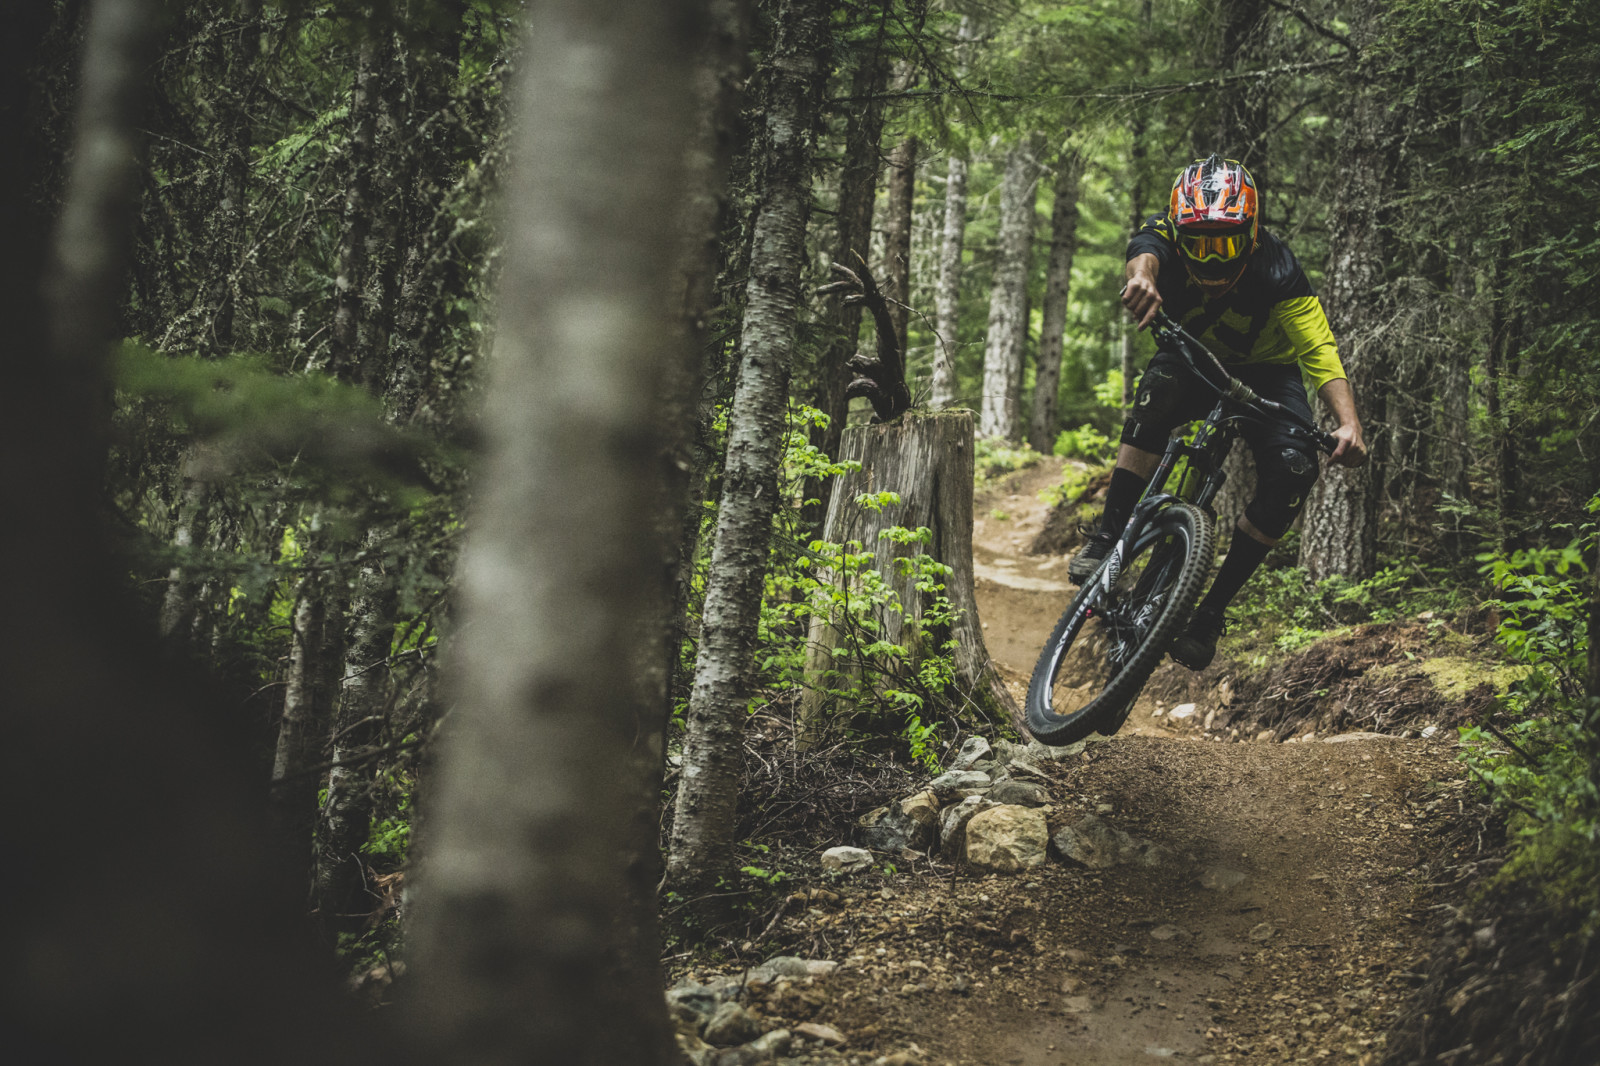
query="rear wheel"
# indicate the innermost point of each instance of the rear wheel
(1109, 640)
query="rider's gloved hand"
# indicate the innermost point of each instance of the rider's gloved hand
(1140, 295)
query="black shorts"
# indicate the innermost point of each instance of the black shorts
(1170, 395)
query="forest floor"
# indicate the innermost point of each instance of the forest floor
(1286, 915)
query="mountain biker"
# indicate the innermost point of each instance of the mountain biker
(1240, 290)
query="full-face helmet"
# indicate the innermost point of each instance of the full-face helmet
(1216, 213)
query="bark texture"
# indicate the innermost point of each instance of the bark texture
(1340, 533)
(928, 460)
(1053, 312)
(703, 825)
(525, 865)
(858, 187)
(947, 297)
(1008, 300)
(897, 235)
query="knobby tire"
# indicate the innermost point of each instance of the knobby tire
(1163, 577)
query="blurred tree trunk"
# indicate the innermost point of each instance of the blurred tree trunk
(1053, 313)
(1003, 353)
(1341, 516)
(136, 975)
(703, 825)
(531, 845)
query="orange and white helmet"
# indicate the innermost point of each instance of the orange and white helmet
(1216, 213)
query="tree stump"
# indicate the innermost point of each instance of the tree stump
(925, 457)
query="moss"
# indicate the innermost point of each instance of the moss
(1454, 676)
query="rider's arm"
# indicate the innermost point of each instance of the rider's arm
(1140, 295)
(1351, 450)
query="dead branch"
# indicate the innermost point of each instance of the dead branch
(881, 378)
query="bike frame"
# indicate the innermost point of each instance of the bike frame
(1236, 402)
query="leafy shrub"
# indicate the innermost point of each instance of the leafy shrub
(993, 457)
(1544, 767)
(1086, 443)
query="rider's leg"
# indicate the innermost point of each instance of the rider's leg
(1132, 474)
(1167, 396)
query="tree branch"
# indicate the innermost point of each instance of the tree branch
(1315, 27)
(881, 378)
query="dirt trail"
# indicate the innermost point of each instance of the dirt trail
(1281, 922)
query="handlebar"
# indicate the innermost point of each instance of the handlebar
(1208, 368)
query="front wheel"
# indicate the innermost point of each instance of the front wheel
(1110, 638)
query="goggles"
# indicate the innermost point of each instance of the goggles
(1213, 247)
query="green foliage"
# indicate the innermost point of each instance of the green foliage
(1284, 605)
(1086, 443)
(1543, 767)
(995, 457)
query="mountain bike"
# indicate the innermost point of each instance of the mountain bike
(1125, 616)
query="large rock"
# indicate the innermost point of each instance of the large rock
(976, 749)
(695, 1003)
(1096, 843)
(907, 823)
(731, 1025)
(1019, 793)
(958, 784)
(1048, 753)
(846, 860)
(1007, 839)
(953, 823)
(790, 966)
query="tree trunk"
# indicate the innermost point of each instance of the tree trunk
(897, 235)
(1057, 282)
(1240, 106)
(133, 975)
(703, 825)
(338, 882)
(947, 300)
(927, 459)
(528, 853)
(350, 271)
(310, 693)
(1008, 300)
(947, 295)
(858, 188)
(1340, 534)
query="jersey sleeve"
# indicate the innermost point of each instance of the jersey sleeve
(1156, 237)
(1306, 328)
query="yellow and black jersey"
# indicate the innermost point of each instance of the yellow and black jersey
(1271, 316)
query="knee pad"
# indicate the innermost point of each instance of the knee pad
(1155, 410)
(1281, 489)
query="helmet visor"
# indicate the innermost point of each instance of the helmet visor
(1213, 247)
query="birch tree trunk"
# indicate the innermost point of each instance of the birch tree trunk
(1008, 300)
(527, 860)
(947, 294)
(310, 692)
(703, 824)
(1053, 313)
(1340, 534)
(947, 299)
(897, 235)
